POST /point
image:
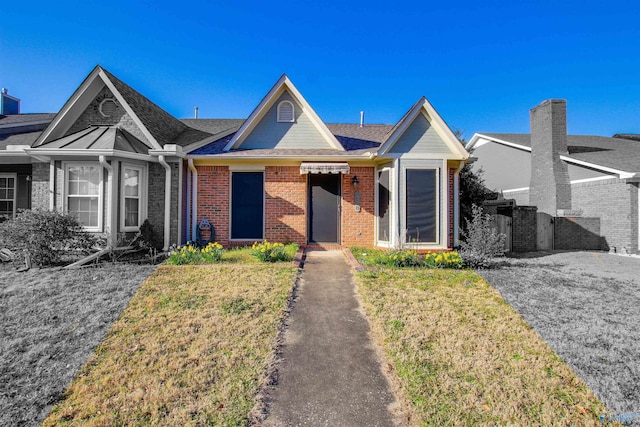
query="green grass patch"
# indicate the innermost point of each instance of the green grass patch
(189, 350)
(407, 258)
(462, 356)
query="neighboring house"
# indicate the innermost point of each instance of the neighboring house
(114, 158)
(17, 132)
(566, 175)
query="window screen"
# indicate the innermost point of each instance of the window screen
(247, 209)
(421, 205)
(384, 212)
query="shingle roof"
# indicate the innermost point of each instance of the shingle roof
(18, 139)
(356, 141)
(616, 153)
(25, 118)
(162, 125)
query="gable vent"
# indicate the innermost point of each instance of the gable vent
(286, 112)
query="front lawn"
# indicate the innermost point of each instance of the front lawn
(50, 322)
(462, 356)
(190, 349)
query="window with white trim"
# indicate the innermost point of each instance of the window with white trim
(421, 206)
(286, 112)
(7, 196)
(132, 199)
(83, 194)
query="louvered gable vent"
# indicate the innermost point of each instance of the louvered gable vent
(286, 112)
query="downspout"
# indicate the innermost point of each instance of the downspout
(52, 185)
(109, 168)
(167, 201)
(193, 201)
(456, 205)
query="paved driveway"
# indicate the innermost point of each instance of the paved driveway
(586, 306)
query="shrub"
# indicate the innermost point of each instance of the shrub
(443, 260)
(191, 254)
(148, 238)
(482, 242)
(273, 252)
(45, 235)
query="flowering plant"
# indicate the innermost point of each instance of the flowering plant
(443, 260)
(269, 252)
(191, 254)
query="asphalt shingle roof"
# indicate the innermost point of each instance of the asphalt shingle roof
(27, 138)
(11, 119)
(356, 141)
(616, 153)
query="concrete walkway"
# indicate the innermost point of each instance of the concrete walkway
(329, 375)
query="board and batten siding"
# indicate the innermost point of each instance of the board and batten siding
(420, 138)
(270, 134)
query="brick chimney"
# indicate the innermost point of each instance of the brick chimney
(549, 188)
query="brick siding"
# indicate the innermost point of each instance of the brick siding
(155, 204)
(358, 228)
(285, 204)
(577, 233)
(40, 186)
(524, 229)
(213, 199)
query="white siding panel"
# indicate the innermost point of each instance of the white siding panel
(270, 134)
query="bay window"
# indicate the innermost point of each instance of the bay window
(84, 194)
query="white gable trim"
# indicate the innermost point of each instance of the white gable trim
(81, 95)
(268, 101)
(479, 140)
(424, 107)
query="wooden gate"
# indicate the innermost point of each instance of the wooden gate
(504, 225)
(544, 231)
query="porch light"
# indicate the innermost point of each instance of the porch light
(355, 181)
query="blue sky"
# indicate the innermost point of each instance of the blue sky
(483, 65)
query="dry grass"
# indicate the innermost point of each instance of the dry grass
(462, 356)
(190, 349)
(50, 322)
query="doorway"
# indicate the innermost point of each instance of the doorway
(324, 208)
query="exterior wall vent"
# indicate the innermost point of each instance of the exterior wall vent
(286, 112)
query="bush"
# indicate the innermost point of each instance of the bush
(45, 236)
(274, 252)
(482, 242)
(443, 260)
(148, 238)
(190, 254)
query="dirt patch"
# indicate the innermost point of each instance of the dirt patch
(50, 322)
(585, 305)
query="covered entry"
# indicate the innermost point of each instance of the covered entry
(324, 195)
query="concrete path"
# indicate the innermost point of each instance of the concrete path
(329, 375)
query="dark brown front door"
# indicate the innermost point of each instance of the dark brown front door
(324, 208)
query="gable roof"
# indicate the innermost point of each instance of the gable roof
(422, 106)
(618, 155)
(283, 84)
(19, 119)
(158, 126)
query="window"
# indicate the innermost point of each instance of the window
(286, 112)
(247, 205)
(132, 200)
(83, 194)
(7, 196)
(421, 220)
(384, 205)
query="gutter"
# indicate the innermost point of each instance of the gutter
(192, 197)
(167, 201)
(112, 229)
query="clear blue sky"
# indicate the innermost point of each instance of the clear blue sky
(482, 64)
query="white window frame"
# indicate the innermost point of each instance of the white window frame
(293, 112)
(379, 241)
(142, 196)
(15, 190)
(264, 203)
(438, 231)
(66, 166)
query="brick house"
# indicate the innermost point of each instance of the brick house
(577, 178)
(115, 158)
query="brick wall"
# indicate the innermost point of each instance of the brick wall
(615, 202)
(358, 228)
(155, 206)
(118, 116)
(40, 186)
(213, 199)
(285, 204)
(577, 233)
(524, 229)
